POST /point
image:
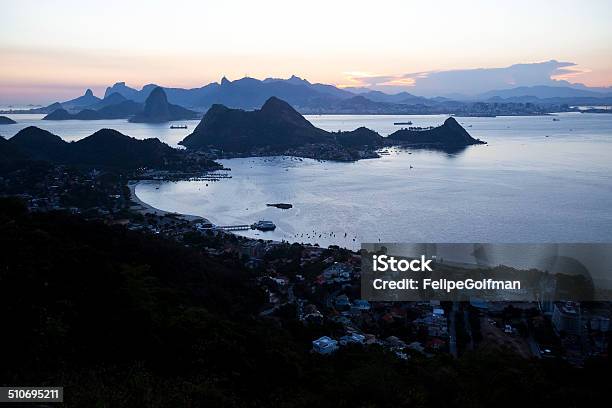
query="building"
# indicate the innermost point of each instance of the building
(338, 272)
(353, 338)
(324, 345)
(566, 318)
(361, 305)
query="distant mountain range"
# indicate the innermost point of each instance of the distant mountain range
(156, 109)
(308, 98)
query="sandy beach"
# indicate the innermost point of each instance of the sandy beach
(145, 208)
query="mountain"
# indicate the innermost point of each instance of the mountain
(402, 97)
(39, 144)
(9, 152)
(59, 114)
(543, 92)
(6, 121)
(87, 99)
(63, 114)
(105, 148)
(275, 125)
(121, 89)
(158, 110)
(112, 99)
(121, 110)
(245, 93)
(359, 137)
(450, 134)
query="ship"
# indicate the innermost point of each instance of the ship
(263, 225)
(178, 126)
(403, 123)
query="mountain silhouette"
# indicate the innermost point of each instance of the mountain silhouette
(158, 110)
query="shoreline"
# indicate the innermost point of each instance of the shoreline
(146, 208)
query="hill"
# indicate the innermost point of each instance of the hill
(39, 144)
(83, 101)
(121, 110)
(105, 148)
(276, 125)
(450, 134)
(128, 319)
(158, 110)
(6, 121)
(10, 153)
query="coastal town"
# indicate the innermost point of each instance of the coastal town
(319, 288)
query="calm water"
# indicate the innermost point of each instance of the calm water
(522, 187)
(71, 130)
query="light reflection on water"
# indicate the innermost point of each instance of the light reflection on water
(538, 180)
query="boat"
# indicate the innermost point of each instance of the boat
(556, 119)
(403, 123)
(264, 225)
(178, 126)
(283, 206)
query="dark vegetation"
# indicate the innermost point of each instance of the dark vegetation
(126, 319)
(106, 148)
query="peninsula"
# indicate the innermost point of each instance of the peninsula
(278, 129)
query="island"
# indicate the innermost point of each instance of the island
(6, 121)
(449, 134)
(282, 206)
(120, 110)
(158, 110)
(278, 129)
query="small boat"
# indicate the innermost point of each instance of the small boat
(403, 123)
(263, 225)
(283, 206)
(556, 119)
(178, 126)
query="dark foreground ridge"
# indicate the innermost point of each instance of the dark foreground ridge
(125, 319)
(105, 148)
(277, 128)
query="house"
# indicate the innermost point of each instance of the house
(361, 305)
(343, 302)
(338, 272)
(324, 345)
(352, 338)
(567, 318)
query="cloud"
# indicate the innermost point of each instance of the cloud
(470, 81)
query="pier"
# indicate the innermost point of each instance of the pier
(234, 227)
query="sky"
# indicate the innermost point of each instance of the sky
(54, 49)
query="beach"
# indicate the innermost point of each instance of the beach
(145, 208)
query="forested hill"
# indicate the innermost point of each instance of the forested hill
(126, 319)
